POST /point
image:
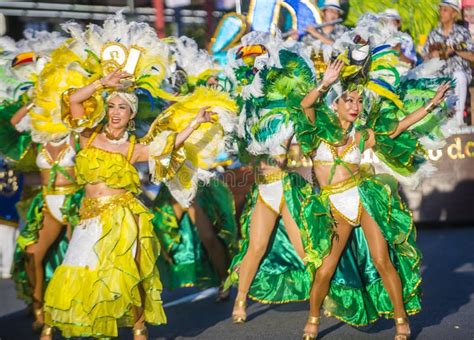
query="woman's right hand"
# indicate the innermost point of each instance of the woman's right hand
(332, 72)
(440, 93)
(113, 80)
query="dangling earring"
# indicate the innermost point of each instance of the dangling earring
(131, 125)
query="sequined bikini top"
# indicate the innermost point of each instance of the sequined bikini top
(65, 158)
(327, 154)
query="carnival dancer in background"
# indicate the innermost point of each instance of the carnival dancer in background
(42, 242)
(452, 43)
(198, 238)
(271, 80)
(367, 261)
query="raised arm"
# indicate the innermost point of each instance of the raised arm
(20, 114)
(81, 95)
(203, 116)
(330, 77)
(318, 35)
(419, 114)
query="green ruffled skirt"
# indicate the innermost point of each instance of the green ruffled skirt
(282, 276)
(357, 295)
(185, 262)
(29, 235)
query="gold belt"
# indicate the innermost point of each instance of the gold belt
(92, 207)
(270, 178)
(341, 186)
(61, 190)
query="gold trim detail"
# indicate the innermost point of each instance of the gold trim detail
(61, 190)
(270, 178)
(92, 207)
(261, 199)
(355, 222)
(341, 186)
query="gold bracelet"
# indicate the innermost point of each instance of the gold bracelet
(322, 88)
(98, 85)
(30, 106)
(193, 124)
(429, 107)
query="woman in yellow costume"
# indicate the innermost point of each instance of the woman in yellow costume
(109, 277)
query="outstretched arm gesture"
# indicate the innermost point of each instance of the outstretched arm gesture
(330, 77)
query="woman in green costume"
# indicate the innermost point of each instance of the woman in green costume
(270, 265)
(367, 262)
(43, 241)
(198, 237)
(197, 241)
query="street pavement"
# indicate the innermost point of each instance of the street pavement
(448, 305)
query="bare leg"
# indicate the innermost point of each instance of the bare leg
(209, 239)
(261, 227)
(34, 267)
(293, 232)
(379, 252)
(325, 272)
(139, 329)
(178, 210)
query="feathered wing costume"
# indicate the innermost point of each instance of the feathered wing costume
(23, 62)
(186, 176)
(270, 79)
(191, 66)
(357, 295)
(186, 262)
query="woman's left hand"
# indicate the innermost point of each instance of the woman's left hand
(205, 116)
(438, 98)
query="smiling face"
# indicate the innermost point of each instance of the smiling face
(119, 113)
(349, 106)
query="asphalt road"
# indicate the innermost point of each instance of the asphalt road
(448, 274)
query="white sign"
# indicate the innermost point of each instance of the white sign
(177, 3)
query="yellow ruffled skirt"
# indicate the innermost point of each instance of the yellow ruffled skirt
(112, 253)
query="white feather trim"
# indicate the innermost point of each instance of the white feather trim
(426, 170)
(185, 196)
(275, 145)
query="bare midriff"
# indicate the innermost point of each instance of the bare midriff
(341, 173)
(101, 190)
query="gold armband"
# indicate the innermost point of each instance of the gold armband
(194, 124)
(428, 108)
(321, 88)
(98, 85)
